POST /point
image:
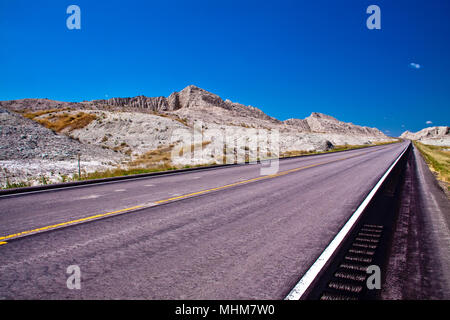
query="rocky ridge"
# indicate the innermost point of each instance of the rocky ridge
(439, 136)
(126, 129)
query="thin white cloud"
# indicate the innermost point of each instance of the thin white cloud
(415, 65)
(428, 122)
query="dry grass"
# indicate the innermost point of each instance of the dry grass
(154, 159)
(173, 117)
(438, 159)
(245, 125)
(295, 153)
(123, 147)
(31, 115)
(190, 149)
(182, 121)
(151, 161)
(57, 121)
(161, 157)
(118, 172)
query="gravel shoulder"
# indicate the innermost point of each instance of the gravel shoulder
(419, 265)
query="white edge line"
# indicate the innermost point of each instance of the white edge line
(303, 284)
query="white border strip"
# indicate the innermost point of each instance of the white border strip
(300, 288)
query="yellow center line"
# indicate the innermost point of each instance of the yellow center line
(64, 224)
(3, 243)
(67, 223)
(243, 182)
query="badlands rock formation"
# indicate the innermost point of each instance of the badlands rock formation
(220, 120)
(28, 150)
(439, 136)
(190, 98)
(318, 122)
(125, 130)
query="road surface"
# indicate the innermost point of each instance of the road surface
(225, 233)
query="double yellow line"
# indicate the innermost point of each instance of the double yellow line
(127, 210)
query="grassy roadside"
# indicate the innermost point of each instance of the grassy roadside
(159, 160)
(438, 160)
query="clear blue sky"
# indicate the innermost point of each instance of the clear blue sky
(288, 58)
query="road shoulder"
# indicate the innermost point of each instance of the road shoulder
(419, 264)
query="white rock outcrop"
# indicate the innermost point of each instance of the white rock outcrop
(439, 136)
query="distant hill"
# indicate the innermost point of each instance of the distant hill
(432, 135)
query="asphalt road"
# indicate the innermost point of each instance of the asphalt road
(251, 240)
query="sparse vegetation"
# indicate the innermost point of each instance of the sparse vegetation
(182, 121)
(173, 117)
(154, 159)
(123, 147)
(189, 149)
(117, 172)
(245, 125)
(57, 121)
(21, 184)
(438, 160)
(44, 180)
(32, 115)
(8, 185)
